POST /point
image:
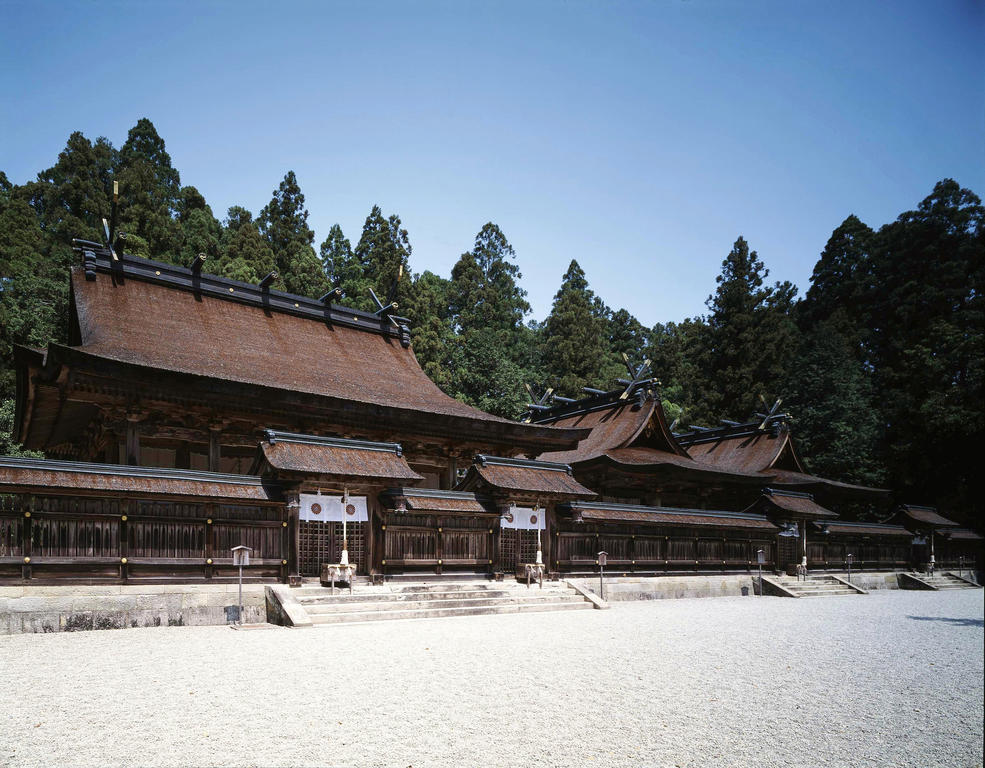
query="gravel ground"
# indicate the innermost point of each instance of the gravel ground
(889, 679)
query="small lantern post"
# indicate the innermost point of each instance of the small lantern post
(241, 557)
(848, 559)
(344, 557)
(760, 559)
(602, 560)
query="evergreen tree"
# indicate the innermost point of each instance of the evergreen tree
(488, 306)
(574, 340)
(841, 278)
(381, 255)
(247, 255)
(236, 217)
(149, 194)
(677, 351)
(829, 387)
(926, 315)
(7, 445)
(73, 196)
(344, 270)
(201, 233)
(432, 337)
(33, 286)
(831, 396)
(284, 224)
(751, 336)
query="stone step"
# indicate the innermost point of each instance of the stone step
(434, 613)
(409, 605)
(388, 597)
(442, 586)
(449, 602)
(943, 581)
(818, 588)
(833, 593)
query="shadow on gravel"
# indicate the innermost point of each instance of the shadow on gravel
(956, 622)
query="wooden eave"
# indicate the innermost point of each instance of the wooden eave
(49, 477)
(291, 455)
(593, 511)
(431, 501)
(130, 382)
(503, 477)
(791, 505)
(687, 471)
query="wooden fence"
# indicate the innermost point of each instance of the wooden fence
(56, 538)
(668, 551)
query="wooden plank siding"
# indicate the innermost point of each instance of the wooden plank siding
(637, 550)
(891, 553)
(64, 538)
(437, 543)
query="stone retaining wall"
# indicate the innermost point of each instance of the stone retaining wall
(620, 588)
(76, 608)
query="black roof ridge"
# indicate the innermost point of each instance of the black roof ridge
(183, 278)
(589, 404)
(482, 459)
(714, 434)
(163, 473)
(668, 510)
(919, 506)
(769, 491)
(859, 523)
(274, 436)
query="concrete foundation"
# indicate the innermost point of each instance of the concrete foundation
(620, 588)
(78, 607)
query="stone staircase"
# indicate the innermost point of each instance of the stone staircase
(427, 600)
(944, 580)
(815, 586)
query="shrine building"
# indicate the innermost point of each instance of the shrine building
(189, 413)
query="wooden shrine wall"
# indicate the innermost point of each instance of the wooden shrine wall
(869, 553)
(51, 539)
(437, 543)
(638, 549)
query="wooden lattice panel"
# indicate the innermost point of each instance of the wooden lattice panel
(516, 546)
(322, 543)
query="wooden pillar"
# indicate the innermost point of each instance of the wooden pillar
(370, 542)
(210, 511)
(183, 456)
(215, 450)
(497, 563)
(452, 472)
(124, 540)
(133, 440)
(803, 537)
(292, 496)
(27, 535)
(438, 545)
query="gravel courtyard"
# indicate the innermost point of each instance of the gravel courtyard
(888, 679)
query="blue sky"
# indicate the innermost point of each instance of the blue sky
(639, 138)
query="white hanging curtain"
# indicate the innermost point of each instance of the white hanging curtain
(329, 508)
(523, 518)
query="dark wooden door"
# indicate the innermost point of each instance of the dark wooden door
(321, 542)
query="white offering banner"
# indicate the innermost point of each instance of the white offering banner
(524, 518)
(329, 508)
